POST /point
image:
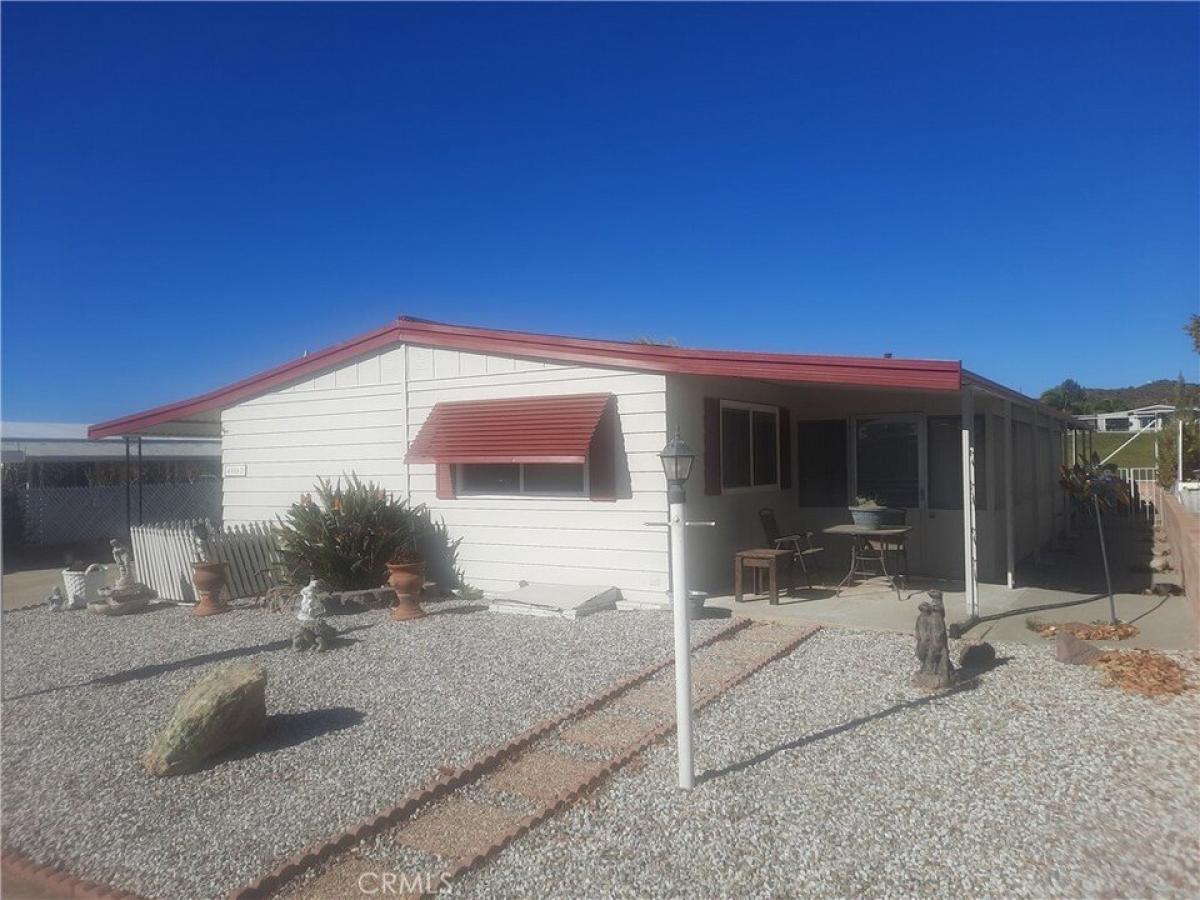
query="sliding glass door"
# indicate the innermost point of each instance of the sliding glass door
(889, 466)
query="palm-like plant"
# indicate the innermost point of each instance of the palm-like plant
(1098, 487)
(346, 536)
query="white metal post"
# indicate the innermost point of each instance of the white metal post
(1037, 486)
(683, 645)
(1179, 456)
(970, 559)
(1010, 550)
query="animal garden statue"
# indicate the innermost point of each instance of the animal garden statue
(933, 646)
(312, 631)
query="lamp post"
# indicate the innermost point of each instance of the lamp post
(677, 458)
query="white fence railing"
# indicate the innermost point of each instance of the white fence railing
(64, 515)
(163, 555)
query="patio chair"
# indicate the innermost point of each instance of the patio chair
(801, 545)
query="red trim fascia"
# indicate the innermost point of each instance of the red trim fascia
(926, 375)
(466, 458)
(944, 375)
(249, 387)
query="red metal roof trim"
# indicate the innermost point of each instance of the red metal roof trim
(911, 374)
(555, 429)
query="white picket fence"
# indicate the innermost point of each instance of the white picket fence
(163, 555)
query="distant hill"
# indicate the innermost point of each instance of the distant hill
(1161, 391)
(1075, 398)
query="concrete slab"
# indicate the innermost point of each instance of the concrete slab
(1067, 586)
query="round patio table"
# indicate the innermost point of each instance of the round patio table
(864, 555)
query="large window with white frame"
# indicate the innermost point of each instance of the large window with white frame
(749, 446)
(521, 479)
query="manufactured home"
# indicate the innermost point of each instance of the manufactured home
(541, 452)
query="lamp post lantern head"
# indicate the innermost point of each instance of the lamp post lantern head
(677, 458)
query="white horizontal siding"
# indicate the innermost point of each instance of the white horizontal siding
(361, 417)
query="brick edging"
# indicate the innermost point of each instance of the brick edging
(55, 880)
(26, 608)
(524, 825)
(448, 782)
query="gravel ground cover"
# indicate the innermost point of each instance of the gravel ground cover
(349, 730)
(827, 775)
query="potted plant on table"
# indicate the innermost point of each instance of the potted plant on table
(350, 537)
(870, 513)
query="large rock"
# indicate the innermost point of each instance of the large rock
(225, 707)
(1073, 651)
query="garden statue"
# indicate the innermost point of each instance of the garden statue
(124, 562)
(933, 646)
(56, 600)
(312, 630)
(127, 596)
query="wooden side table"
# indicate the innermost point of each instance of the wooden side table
(760, 561)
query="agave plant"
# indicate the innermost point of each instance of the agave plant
(1098, 487)
(346, 535)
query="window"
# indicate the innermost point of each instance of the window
(541, 479)
(888, 454)
(749, 446)
(821, 448)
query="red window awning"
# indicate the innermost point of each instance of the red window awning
(555, 429)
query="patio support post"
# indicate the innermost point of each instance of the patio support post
(1010, 549)
(683, 645)
(128, 505)
(1037, 486)
(970, 557)
(139, 479)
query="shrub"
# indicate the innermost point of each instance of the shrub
(346, 536)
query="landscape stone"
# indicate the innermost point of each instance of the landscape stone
(977, 655)
(1071, 650)
(224, 708)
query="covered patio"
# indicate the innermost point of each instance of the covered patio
(1067, 585)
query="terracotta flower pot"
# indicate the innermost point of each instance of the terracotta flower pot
(407, 580)
(209, 579)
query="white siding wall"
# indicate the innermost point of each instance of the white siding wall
(362, 416)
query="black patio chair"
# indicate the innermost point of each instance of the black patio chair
(801, 545)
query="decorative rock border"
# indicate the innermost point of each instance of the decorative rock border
(54, 880)
(449, 781)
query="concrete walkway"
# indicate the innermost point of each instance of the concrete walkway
(1067, 586)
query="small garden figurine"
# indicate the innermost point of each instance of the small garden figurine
(933, 646)
(312, 631)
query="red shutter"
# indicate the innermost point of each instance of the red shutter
(602, 457)
(712, 445)
(445, 481)
(785, 449)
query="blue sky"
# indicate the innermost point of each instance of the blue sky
(192, 193)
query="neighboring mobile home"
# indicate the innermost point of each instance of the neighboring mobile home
(540, 452)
